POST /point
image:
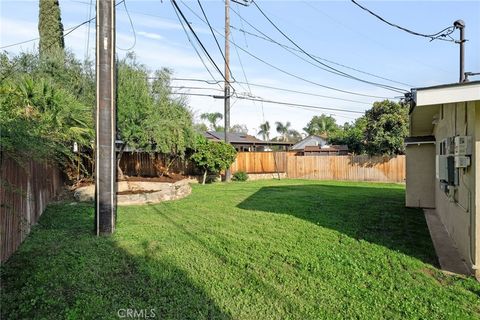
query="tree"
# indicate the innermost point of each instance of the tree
(322, 125)
(239, 128)
(352, 135)
(50, 27)
(265, 131)
(287, 134)
(148, 117)
(212, 118)
(212, 156)
(386, 128)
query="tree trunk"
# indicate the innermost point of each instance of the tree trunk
(120, 175)
(204, 177)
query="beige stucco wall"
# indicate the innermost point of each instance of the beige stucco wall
(458, 211)
(420, 175)
(476, 190)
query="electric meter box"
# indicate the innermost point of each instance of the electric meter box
(463, 146)
(442, 168)
(462, 161)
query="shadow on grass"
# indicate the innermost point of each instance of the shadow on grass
(374, 214)
(64, 271)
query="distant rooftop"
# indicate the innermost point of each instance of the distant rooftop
(241, 138)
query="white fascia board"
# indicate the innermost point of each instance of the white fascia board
(453, 94)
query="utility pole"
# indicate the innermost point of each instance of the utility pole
(105, 155)
(459, 24)
(227, 80)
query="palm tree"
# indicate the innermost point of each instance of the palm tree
(212, 118)
(265, 131)
(283, 129)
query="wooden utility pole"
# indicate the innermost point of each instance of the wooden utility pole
(227, 80)
(105, 164)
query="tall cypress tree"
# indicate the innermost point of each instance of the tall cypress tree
(50, 27)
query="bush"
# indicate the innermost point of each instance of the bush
(240, 176)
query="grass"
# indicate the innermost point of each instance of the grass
(286, 249)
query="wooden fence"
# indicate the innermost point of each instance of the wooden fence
(355, 168)
(261, 162)
(25, 191)
(146, 165)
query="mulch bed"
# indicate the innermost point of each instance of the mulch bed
(172, 177)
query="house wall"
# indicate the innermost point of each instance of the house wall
(458, 210)
(420, 175)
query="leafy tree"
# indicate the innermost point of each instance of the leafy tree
(212, 157)
(200, 127)
(352, 135)
(212, 118)
(386, 128)
(45, 109)
(239, 128)
(265, 131)
(42, 121)
(148, 118)
(287, 134)
(322, 125)
(50, 27)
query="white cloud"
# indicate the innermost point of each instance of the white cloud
(150, 35)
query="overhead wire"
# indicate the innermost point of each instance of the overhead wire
(279, 89)
(214, 37)
(287, 72)
(177, 8)
(133, 29)
(269, 39)
(440, 35)
(196, 50)
(12, 68)
(291, 104)
(331, 69)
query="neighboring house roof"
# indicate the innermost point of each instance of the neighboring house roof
(241, 138)
(331, 148)
(310, 141)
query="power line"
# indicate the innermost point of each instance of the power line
(332, 69)
(133, 29)
(441, 35)
(307, 106)
(266, 38)
(287, 72)
(279, 89)
(177, 8)
(195, 48)
(9, 72)
(214, 36)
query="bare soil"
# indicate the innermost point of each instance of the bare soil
(172, 177)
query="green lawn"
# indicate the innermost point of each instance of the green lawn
(288, 249)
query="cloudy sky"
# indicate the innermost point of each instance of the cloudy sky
(336, 33)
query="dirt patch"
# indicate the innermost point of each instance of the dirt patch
(171, 178)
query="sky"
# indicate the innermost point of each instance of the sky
(337, 33)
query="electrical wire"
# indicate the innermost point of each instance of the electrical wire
(266, 38)
(133, 29)
(87, 54)
(287, 72)
(307, 106)
(196, 50)
(15, 64)
(177, 8)
(214, 37)
(331, 69)
(441, 35)
(279, 89)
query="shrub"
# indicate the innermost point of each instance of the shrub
(240, 176)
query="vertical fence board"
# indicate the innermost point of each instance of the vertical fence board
(25, 190)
